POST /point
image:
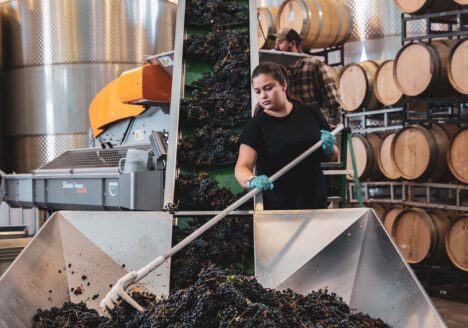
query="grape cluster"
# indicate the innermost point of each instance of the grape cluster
(69, 315)
(225, 107)
(124, 314)
(200, 192)
(209, 146)
(223, 96)
(208, 12)
(219, 46)
(228, 244)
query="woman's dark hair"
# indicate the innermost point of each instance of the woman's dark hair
(278, 72)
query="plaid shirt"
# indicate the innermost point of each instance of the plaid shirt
(310, 82)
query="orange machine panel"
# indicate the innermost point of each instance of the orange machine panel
(120, 99)
(149, 82)
(106, 108)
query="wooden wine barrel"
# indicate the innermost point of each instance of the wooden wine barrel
(379, 210)
(421, 69)
(458, 66)
(457, 155)
(266, 26)
(366, 151)
(356, 86)
(418, 6)
(385, 87)
(456, 243)
(390, 217)
(386, 165)
(419, 152)
(420, 235)
(320, 23)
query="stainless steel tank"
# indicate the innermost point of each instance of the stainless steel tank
(59, 54)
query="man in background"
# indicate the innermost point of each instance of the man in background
(309, 80)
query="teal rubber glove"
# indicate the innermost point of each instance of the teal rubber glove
(261, 182)
(328, 141)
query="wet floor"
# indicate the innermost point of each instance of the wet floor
(455, 314)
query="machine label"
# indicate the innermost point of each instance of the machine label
(139, 135)
(78, 187)
(166, 61)
(113, 188)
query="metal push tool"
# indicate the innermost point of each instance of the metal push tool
(118, 291)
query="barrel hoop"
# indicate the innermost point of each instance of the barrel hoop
(433, 161)
(335, 41)
(436, 66)
(350, 23)
(370, 157)
(321, 18)
(369, 91)
(435, 236)
(379, 160)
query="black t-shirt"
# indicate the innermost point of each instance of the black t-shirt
(279, 140)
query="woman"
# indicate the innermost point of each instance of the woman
(281, 130)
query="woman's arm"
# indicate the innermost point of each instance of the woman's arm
(245, 164)
(333, 156)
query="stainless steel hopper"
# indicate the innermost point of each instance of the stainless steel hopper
(84, 251)
(349, 252)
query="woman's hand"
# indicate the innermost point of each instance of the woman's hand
(328, 141)
(261, 182)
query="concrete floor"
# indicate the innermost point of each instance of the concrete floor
(455, 314)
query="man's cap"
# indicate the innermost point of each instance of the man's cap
(286, 33)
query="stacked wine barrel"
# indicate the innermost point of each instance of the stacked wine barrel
(438, 152)
(417, 152)
(428, 236)
(368, 85)
(356, 86)
(439, 69)
(320, 23)
(430, 151)
(421, 6)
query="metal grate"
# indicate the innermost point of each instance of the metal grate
(91, 158)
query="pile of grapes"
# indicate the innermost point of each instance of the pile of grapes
(207, 12)
(223, 96)
(209, 146)
(200, 192)
(219, 298)
(229, 244)
(218, 47)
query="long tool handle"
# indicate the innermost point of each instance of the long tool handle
(143, 272)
